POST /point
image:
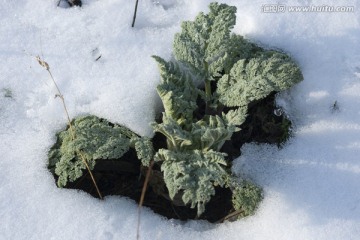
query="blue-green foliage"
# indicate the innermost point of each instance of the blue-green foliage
(177, 92)
(255, 78)
(144, 149)
(204, 44)
(94, 139)
(193, 164)
(205, 49)
(246, 197)
(193, 172)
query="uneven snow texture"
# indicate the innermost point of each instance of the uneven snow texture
(311, 185)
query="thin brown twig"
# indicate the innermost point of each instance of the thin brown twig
(91, 175)
(147, 178)
(231, 215)
(72, 131)
(135, 11)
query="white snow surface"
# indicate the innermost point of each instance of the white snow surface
(311, 185)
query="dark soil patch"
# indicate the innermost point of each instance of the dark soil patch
(261, 126)
(125, 176)
(69, 3)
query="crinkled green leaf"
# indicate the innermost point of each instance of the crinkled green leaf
(239, 48)
(144, 149)
(95, 139)
(256, 78)
(177, 92)
(193, 173)
(211, 133)
(236, 116)
(246, 198)
(177, 137)
(204, 44)
(208, 133)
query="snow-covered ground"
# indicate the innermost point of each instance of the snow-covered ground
(312, 185)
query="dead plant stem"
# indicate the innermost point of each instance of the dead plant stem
(72, 131)
(231, 215)
(135, 11)
(147, 178)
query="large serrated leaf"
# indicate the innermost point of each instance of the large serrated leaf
(95, 139)
(177, 92)
(254, 79)
(194, 173)
(204, 44)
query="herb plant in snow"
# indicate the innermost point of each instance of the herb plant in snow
(206, 50)
(196, 121)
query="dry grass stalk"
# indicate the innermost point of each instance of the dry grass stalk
(72, 131)
(146, 182)
(231, 215)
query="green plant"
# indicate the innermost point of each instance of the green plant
(206, 50)
(96, 139)
(246, 197)
(197, 120)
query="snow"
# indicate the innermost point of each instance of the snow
(311, 185)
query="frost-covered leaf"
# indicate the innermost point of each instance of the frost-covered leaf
(236, 116)
(205, 44)
(208, 133)
(95, 139)
(177, 137)
(246, 198)
(144, 149)
(239, 48)
(177, 92)
(211, 133)
(256, 78)
(193, 173)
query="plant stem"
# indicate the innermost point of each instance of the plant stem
(135, 11)
(72, 131)
(207, 86)
(207, 95)
(231, 215)
(147, 178)
(90, 172)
